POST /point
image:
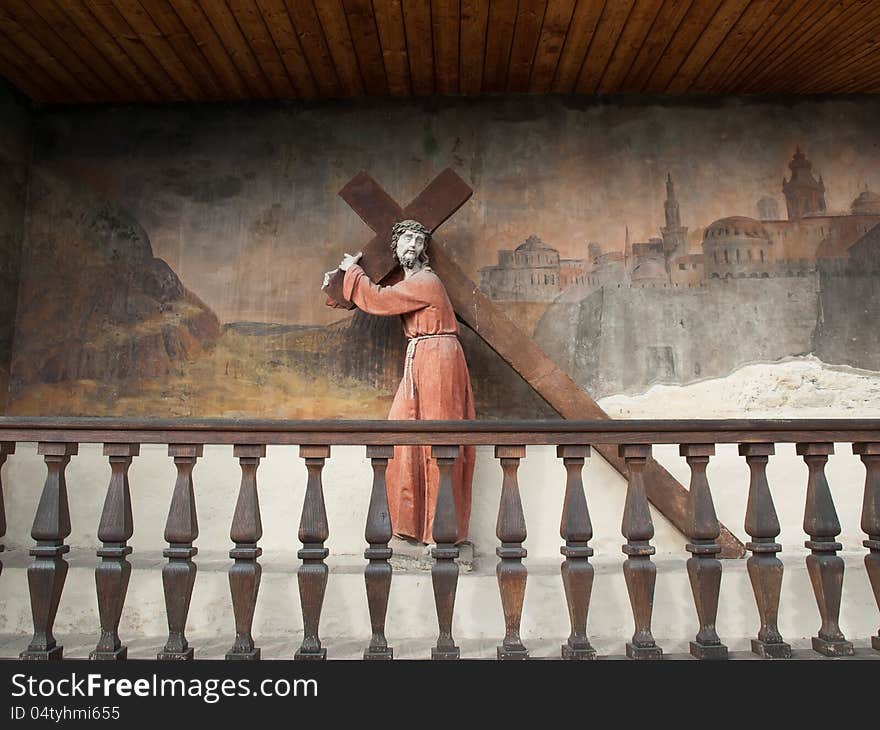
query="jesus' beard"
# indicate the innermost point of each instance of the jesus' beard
(409, 260)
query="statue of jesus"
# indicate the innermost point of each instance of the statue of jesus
(435, 384)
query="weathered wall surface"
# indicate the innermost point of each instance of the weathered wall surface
(850, 308)
(622, 339)
(186, 247)
(15, 151)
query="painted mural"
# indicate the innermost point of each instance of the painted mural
(174, 258)
(15, 150)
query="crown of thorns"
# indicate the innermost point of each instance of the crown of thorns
(408, 225)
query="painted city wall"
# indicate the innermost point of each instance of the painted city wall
(15, 150)
(174, 257)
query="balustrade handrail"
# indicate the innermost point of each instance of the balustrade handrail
(459, 432)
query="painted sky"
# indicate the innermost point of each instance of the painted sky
(242, 201)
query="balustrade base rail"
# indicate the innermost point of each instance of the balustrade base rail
(582, 574)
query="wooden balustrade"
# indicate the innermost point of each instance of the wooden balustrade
(638, 570)
(245, 572)
(114, 570)
(58, 441)
(765, 569)
(511, 531)
(377, 573)
(704, 569)
(179, 573)
(6, 449)
(444, 572)
(824, 565)
(870, 454)
(47, 573)
(577, 573)
(312, 574)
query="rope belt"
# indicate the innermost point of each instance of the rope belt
(410, 354)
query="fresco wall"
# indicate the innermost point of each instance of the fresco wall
(174, 256)
(15, 148)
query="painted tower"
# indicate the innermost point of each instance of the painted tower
(803, 193)
(674, 234)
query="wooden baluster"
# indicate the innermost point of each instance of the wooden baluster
(47, 573)
(312, 574)
(6, 448)
(179, 573)
(114, 570)
(245, 572)
(510, 571)
(823, 564)
(870, 454)
(638, 570)
(704, 568)
(444, 572)
(765, 569)
(577, 573)
(377, 573)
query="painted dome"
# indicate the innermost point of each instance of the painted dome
(734, 227)
(867, 202)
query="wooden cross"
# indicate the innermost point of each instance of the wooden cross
(437, 202)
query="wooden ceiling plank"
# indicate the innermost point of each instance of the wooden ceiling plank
(205, 38)
(262, 46)
(810, 61)
(858, 37)
(105, 13)
(577, 44)
(27, 77)
(851, 77)
(819, 25)
(856, 82)
(757, 43)
(865, 81)
(178, 37)
(311, 37)
(85, 61)
(526, 34)
(155, 42)
(365, 38)
(331, 13)
(392, 39)
(748, 25)
(139, 86)
(37, 54)
(446, 30)
(472, 53)
(239, 50)
(557, 21)
(751, 41)
(419, 45)
(293, 57)
(862, 63)
(633, 35)
(707, 44)
(785, 27)
(670, 17)
(694, 23)
(499, 40)
(604, 43)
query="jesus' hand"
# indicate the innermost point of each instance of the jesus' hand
(348, 260)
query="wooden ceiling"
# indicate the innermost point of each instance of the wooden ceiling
(88, 51)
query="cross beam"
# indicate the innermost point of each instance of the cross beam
(379, 211)
(444, 195)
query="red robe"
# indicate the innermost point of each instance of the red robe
(436, 385)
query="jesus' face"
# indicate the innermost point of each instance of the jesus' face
(410, 246)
